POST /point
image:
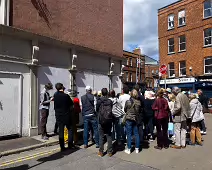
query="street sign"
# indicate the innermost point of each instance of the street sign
(163, 69)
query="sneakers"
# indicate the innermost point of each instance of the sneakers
(85, 146)
(136, 150)
(203, 132)
(151, 139)
(127, 151)
(44, 138)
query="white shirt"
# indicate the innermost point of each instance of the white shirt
(42, 100)
(122, 100)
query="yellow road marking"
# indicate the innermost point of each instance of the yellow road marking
(29, 157)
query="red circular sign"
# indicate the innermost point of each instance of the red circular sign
(163, 69)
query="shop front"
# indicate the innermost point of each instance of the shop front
(186, 84)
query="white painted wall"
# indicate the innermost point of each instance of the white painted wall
(24, 70)
(15, 47)
(52, 75)
(4, 12)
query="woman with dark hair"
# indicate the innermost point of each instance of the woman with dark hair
(161, 109)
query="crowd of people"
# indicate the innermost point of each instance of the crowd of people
(130, 117)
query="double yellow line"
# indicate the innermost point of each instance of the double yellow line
(29, 157)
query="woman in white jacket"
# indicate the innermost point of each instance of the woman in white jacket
(196, 116)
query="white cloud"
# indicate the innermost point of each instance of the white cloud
(141, 26)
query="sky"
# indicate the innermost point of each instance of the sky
(141, 25)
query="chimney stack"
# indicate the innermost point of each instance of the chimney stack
(137, 51)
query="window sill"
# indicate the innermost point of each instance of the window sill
(171, 53)
(181, 51)
(182, 76)
(207, 74)
(179, 26)
(169, 29)
(207, 46)
(207, 18)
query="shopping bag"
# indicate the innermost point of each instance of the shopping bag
(65, 135)
(171, 128)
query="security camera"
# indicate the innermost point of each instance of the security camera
(34, 61)
(74, 56)
(35, 48)
(190, 68)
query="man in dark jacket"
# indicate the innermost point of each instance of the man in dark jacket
(204, 102)
(89, 116)
(63, 106)
(107, 127)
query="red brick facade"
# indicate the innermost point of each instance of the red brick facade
(193, 31)
(151, 75)
(131, 67)
(96, 24)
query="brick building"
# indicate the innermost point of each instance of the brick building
(185, 43)
(133, 71)
(151, 72)
(75, 42)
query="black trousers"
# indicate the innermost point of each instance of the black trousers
(62, 122)
(44, 118)
(162, 132)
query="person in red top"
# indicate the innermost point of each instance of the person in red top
(161, 109)
(77, 110)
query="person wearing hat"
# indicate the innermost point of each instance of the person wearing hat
(89, 116)
(45, 101)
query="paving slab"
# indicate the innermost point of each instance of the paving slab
(11, 144)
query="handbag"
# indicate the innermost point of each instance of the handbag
(117, 111)
(125, 116)
(171, 128)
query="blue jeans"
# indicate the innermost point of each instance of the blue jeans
(119, 130)
(93, 121)
(131, 127)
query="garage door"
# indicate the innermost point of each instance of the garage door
(52, 75)
(84, 79)
(10, 104)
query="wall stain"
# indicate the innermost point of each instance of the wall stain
(43, 11)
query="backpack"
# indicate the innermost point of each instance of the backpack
(105, 112)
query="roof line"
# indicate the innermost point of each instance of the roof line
(169, 5)
(134, 53)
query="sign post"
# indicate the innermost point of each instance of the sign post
(163, 71)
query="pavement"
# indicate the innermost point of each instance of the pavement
(46, 158)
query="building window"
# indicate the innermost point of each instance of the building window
(171, 21)
(131, 62)
(208, 8)
(208, 65)
(182, 43)
(171, 45)
(181, 18)
(157, 72)
(127, 76)
(208, 37)
(127, 61)
(153, 71)
(130, 77)
(171, 70)
(182, 68)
